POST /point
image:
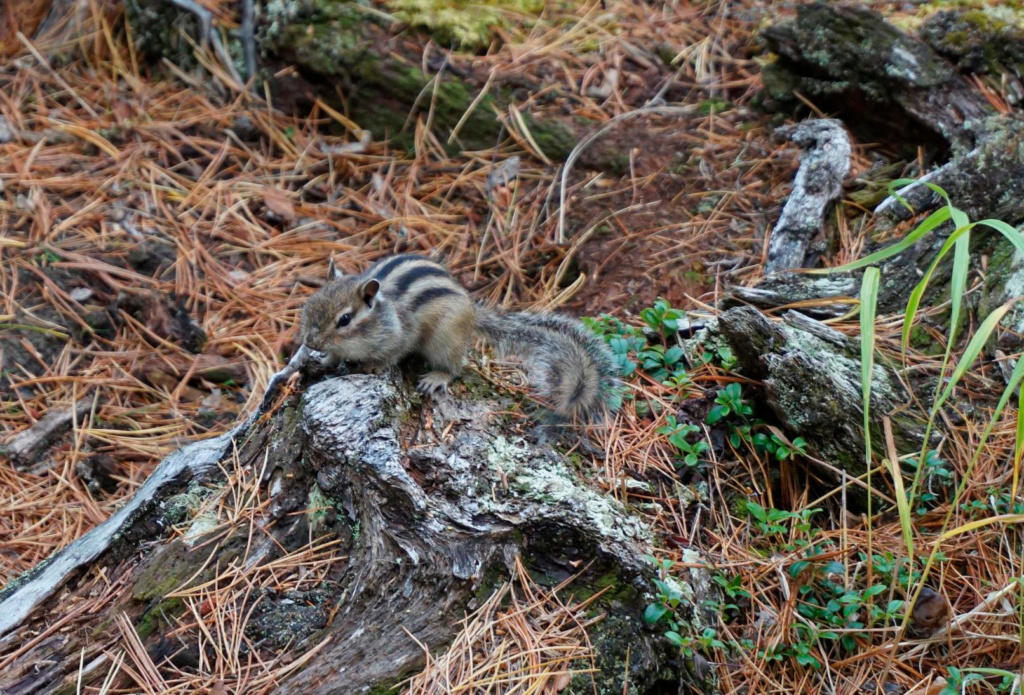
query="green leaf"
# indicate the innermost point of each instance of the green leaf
(808, 660)
(918, 292)
(974, 347)
(675, 638)
(757, 511)
(654, 613)
(868, 303)
(717, 413)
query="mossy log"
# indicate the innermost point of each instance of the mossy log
(345, 53)
(428, 503)
(850, 61)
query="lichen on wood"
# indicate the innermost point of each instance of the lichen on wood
(849, 59)
(823, 166)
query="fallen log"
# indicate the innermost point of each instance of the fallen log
(867, 69)
(811, 379)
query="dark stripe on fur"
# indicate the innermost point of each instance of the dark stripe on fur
(562, 357)
(381, 271)
(404, 282)
(427, 296)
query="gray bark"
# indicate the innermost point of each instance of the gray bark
(850, 58)
(811, 379)
(823, 166)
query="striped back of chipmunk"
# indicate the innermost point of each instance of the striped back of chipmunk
(413, 283)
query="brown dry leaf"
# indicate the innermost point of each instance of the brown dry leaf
(561, 682)
(933, 688)
(278, 202)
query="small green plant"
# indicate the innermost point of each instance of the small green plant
(723, 354)
(958, 679)
(662, 318)
(691, 452)
(777, 447)
(729, 401)
(770, 521)
(937, 475)
(732, 588)
(623, 340)
(662, 613)
(663, 363)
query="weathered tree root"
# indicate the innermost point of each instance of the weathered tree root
(811, 377)
(430, 516)
(19, 598)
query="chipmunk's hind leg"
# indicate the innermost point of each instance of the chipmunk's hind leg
(445, 350)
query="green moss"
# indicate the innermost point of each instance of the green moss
(981, 39)
(318, 510)
(385, 689)
(165, 570)
(466, 23)
(163, 612)
(335, 40)
(555, 140)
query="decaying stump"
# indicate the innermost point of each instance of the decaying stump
(428, 504)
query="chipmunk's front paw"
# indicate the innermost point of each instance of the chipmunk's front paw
(435, 382)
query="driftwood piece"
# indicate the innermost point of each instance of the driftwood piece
(811, 377)
(25, 448)
(823, 166)
(429, 506)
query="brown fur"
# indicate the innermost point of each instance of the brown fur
(421, 309)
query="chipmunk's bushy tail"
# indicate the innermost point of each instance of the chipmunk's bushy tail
(570, 367)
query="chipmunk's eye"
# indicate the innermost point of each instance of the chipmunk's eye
(344, 320)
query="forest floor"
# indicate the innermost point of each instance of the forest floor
(160, 230)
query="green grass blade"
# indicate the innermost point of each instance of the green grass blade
(957, 287)
(1014, 382)
(973, 349)
(868, 307)
(914, 302)
(1014, 236)
(903, 508)
(1018, 444)
(927, 225)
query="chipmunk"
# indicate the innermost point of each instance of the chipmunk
(408, 304)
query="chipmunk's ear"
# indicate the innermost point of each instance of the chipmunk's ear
(370, 289)
(332, 271)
